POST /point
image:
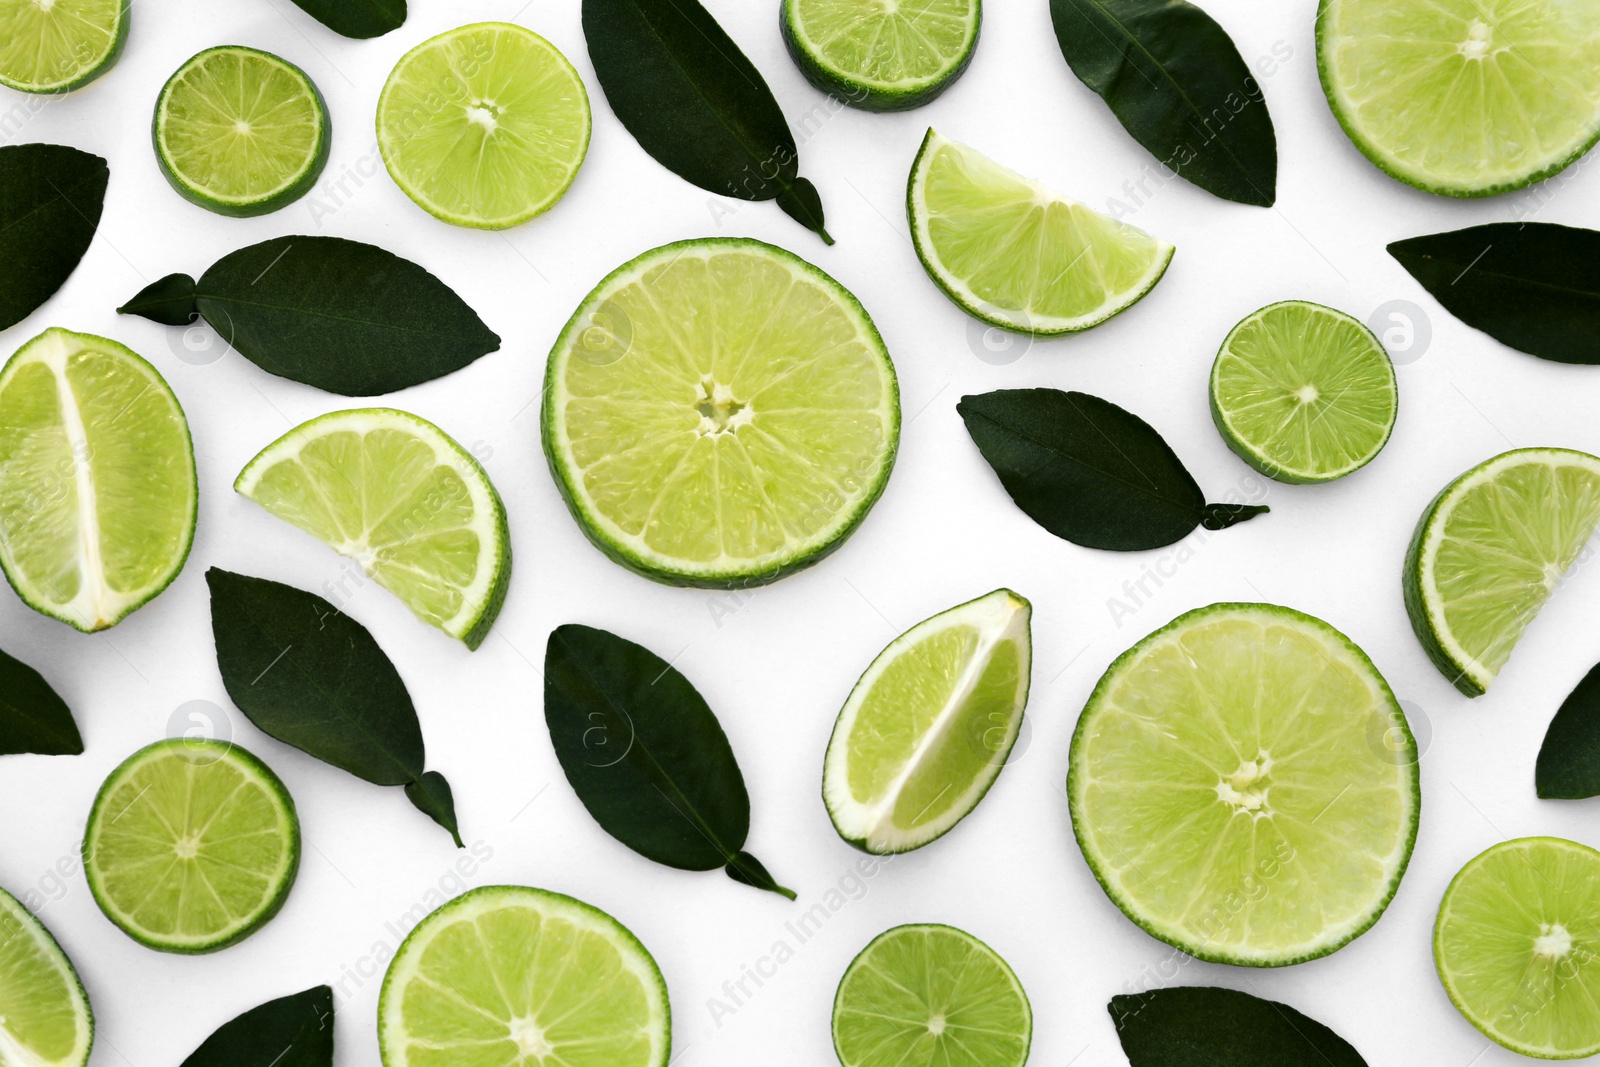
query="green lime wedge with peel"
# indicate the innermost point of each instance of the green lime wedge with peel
(1017, 255)
(929, 726)
(396, 494)
(45, 1019)
(1303, 393)
(192, 845)
(241, 132)
(1464, 97)
(926, 995)
(484, 126)
(720, 413)
(882, 56)
(1244, 786)
(98, 498)
(507, 975)
(55, 46)
(1517, 944)
(1488, 552)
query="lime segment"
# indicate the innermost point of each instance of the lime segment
(45, 1019)
(882, 56)
(61, 45)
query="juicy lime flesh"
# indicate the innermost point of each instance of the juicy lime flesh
(902, 45)
(1517, 945)
(45, 46)
(1229, 792)
(44, 1017)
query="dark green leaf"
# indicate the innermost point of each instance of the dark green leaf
(693, 101)
(169, 301)
(50, 201)
(1175, 81)
(1568, 767)
(1090, 472)
(292, 1031)
(1200, 1026)
(646, 754)
(32, 718)
(1534, 286)
(357, 18)
(314, 678)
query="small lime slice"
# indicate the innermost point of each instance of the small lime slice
(1516, 941)
(45, 1019)
(925, 995)
(484, 126)
(929, 726)
(192, 845)
(1237, 787)
(61, 45)
(507, 975)
(98, 500)
(1303, 393)
(720, 413)
(882, 56)
(1488, 552)
(397, 495)
(241, 132)
(1464, 97)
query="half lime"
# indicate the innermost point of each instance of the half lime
(45, 1019)
(61, 45)
(882, 56)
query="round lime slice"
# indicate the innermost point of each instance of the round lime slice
(1244, 786)
(484, 126)
(1488, 552)
(507, 975)
(720, 413)
(1303, 393)
(55, 46)
(45, 1019)
(882, 56)
(1516, 942)
(192, 845)
(1464, 97)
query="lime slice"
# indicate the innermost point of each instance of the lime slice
(882, 56)
(1464, 97)
(929, 726)
(397, 495)
(925, 994)
(1303, 393)
(98, 499)
(240, 131)
(507, 975)
(720, 413)
(45, 1019)
(484, 126)
(192, 845)
(1516, 942)
(61, 45)
(1016, 255)
(1489, 551)
(1244, 786)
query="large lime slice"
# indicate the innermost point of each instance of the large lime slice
(507, 976)
(720, 413)
(45, 1019)
(60, 45)
(1464, 97)
(192, 845)
(1517, 944)
(1237, 787)
(882, 56)
(97, 479)
(930, 725)
(1489, 551)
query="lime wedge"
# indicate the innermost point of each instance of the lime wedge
(397, 495)
(241, 132)
(192, 845)
(1244, 786)
(98, 499)
(720, 413)
(925, 995)
(45, 1019)
(1464, 97)
(1488, 552)
(59, 46)
(929, 726)
(507, 975)
(1303, 393)
(484, 126)
(1516, 942)
(882, 56)
(1016, 255)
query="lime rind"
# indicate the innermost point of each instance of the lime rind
(24, 924)
(80, 73)
(861, 89)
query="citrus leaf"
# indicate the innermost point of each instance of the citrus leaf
(1568, 767)
(50, 201)
(32, 717)
(1090, 472)
(1177, 83)
(169, 301)
(357, 18)
(1202, 1026)
(292, 1031)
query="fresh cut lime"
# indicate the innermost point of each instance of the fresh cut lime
(55, 46)
(882, 56)
(45, 1019)
(507, 976)
(1237, 787)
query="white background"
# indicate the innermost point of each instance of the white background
(777, 664)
